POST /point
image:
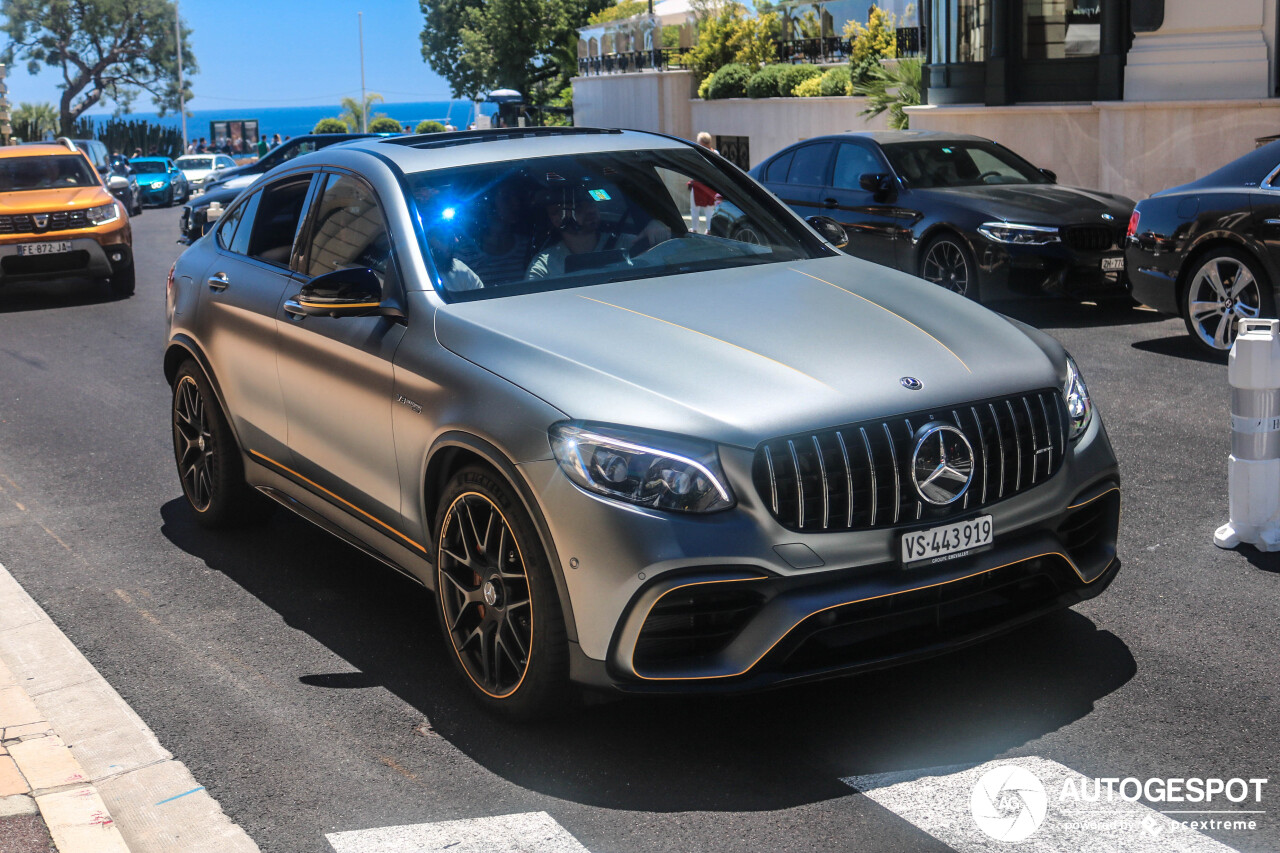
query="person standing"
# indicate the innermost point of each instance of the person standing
(262, 147)
(702, 199)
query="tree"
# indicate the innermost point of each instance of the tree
(429, 126)
(891, 87)
(385, 124)
(32, 121)
(105, 50)
(619, 11)
(330, 125)
(353, 116)
(871, 43)
(727, 33)
(527, 45)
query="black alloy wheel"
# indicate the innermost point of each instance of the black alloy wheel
(1225, 286)
(497, 602)
(946, 262)
(207, 457)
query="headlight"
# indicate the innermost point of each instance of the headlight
(157, 185)
(1021, 235)
(104, 214)
(1079, 406)
(682, 475)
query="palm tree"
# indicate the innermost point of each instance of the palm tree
(31, 121)
(352, 114)
(893, 87)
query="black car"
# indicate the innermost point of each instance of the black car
(960, 211)
(1209, 251)
(195, 220)
(241, 176)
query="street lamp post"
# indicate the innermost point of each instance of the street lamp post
(364, 104)
(182, 100)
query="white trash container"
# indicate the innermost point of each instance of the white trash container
(1253, 469)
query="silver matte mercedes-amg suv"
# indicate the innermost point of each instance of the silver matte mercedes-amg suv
(620, 452)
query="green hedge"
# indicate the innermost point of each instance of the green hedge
(385, 125)
(429, 126)
(780, 81)
(330, 125)
(730, 81)
(836, 81)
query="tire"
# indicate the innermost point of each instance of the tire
(947, 262)
(208, 459)
(497, 600)
(1224, 285)
(124, 282)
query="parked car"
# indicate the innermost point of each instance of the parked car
(201, 167)
(1209, 251)
(241, 176)
(621, 454)
(960, 211)
(58, 221)
(196, 219)
(160, 182)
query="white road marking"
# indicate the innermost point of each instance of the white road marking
(530, 832)
(939, 800)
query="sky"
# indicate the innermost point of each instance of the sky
(280, 53)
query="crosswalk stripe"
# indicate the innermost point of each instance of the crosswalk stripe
(942, 801)
(530, 832)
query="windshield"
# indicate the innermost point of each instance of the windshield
(195, 162)
(150, 164)
(557, 222)
(959, 163)
(42, 173)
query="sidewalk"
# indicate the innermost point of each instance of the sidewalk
(77, 765)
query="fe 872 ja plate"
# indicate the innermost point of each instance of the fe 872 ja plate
(947, 541)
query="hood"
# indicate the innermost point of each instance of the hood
(740, 355)
(148, 177)
(54, 199)
(1038, 204)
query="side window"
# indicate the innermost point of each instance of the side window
(810, 165)
(350, 230)
(230, 228)
(777, 171)
(275, 221)
(852, 162)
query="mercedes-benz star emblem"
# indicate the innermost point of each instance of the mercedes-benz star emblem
(941, 464)
(911, 383)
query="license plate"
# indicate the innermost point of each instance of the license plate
(1112, 264)
(44, 248)
(947, 542)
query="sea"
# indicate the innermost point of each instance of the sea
(296, 121)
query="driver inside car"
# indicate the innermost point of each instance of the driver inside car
(575, 217)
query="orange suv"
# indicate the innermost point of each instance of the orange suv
(58, 220)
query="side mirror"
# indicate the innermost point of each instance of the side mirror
(1051, 175)
(342, 293)
(830, 230)
(116, 183)
(876, 182)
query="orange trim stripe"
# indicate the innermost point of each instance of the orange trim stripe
(345, 503)
(786, 633)
(340, 305)
(1095, 497)
(894, 313)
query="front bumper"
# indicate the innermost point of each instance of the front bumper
(97, 256)
(734, 601)
(1055, 269)
(155, 197)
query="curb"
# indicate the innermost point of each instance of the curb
(95, 771)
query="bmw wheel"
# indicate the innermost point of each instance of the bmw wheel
(497, 601)
(947, 262)
(1225, 286)
(208, 459)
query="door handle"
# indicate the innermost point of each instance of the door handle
(830, 203)
(1271, 221)
(218, 281)
(294, 309)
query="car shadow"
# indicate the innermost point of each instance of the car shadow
(1179, 346)
(46, 295)
(763, 751)
(1065, 314)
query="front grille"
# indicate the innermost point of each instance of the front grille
(61, 220)
(858, 477)
(1093, 238)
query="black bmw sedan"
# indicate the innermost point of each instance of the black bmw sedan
(1209, 251)
(960, 211)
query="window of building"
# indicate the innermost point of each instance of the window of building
(960, 27)
(1060, 29)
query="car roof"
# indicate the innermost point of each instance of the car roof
(36, 149)
(425, 152)
(888, 137)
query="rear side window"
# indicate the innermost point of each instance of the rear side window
(275, 221)
(777, 171)
(810, 165)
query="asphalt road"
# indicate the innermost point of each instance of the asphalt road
(307, 687)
